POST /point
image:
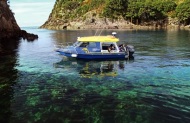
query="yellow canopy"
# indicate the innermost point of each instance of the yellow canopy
(108, 38)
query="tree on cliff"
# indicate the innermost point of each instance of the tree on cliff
(115, 8)
(145, 11)
(183, 12)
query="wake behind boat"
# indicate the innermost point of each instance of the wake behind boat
(96, 47)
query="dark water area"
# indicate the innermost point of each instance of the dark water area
(39, 85)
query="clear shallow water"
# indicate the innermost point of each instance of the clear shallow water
(39, 85)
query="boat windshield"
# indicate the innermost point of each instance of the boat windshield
(84, 44)
(76, 44)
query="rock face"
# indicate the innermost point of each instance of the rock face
(7, 20)
(90, 23)
(8, 25)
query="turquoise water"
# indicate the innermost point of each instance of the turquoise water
(39, 85)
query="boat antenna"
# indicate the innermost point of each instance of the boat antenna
(96, 32)
(100, 31)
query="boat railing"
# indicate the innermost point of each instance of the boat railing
(65, 47)
(64, 44)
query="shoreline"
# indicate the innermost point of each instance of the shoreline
(130, 27)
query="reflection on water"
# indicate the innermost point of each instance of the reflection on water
(89, 69)
(8, 76)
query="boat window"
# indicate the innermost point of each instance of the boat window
(105, 46)
(84, 44)
(92, 45)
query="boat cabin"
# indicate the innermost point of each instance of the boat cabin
(96, 44)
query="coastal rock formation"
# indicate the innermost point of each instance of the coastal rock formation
(90, 23)
(8, 25)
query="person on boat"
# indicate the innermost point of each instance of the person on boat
(111, 47)
(122, 48)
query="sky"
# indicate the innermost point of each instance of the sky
(31, 12)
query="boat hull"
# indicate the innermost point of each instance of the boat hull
(98, 56)
(111, 56)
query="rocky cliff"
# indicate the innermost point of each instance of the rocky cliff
(7, 20)
(8, 25)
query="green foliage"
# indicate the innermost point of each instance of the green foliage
(70, 5)
(141, 10)
(82, 10)
(96, 3)
(114, 9)
(134, 8)
(183, 12)
(147, 10)
(165, 6)
(150, 12)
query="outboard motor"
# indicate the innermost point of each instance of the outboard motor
(130, 49)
